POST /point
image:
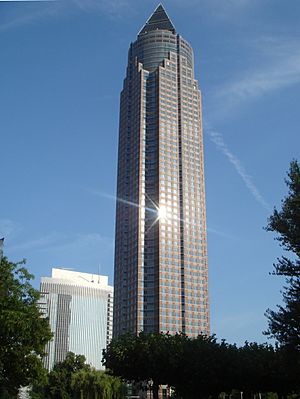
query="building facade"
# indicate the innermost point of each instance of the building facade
(161, 270)
(80, 310)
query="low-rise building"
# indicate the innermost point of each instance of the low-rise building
(80, 310)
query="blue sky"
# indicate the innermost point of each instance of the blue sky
(61, 72)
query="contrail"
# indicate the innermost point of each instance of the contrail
(218, 140)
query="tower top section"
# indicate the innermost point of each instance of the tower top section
(159, 20)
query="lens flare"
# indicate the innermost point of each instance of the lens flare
(162, 212)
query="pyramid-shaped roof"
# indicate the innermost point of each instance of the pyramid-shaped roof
(158, 20)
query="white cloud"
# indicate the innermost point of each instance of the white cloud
(117, 9)
(63, 242)
(80, 241)
(37, 243)
(112, 8)
(218, 9)
(277, 67)
(221, 233)
(19, 17)
(9, 228)
(218, 140)
(260, 82)
(26, 1)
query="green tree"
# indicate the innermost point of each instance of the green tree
(284, 323)
(201, 367)
(146, 357)
(23, 331)
(75, 379)
(60, 378)
(80, 382)
(194, 367)
(256, 371)
(209, 368)
(96, 384)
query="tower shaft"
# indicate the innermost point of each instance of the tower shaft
(161, 270)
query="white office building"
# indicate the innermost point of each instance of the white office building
(80, 310)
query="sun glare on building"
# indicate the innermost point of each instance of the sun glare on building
(162, 212)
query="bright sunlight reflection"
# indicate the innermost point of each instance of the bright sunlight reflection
(162, 212)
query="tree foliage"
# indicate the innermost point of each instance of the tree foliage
(199, 367)
(60, 378)
(146, 357)
(73, 378)
(284, 323)
(23, 332)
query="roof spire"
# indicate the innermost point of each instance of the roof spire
(158, 20)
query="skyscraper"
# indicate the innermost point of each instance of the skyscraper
(79, 307)
(161, 271)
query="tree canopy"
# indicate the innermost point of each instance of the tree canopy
(199, 367)
(23, 331)
(73, 378)
(284, 323)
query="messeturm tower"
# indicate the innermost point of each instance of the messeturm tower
(161, 270)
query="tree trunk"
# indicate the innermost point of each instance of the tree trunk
(155, 389)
